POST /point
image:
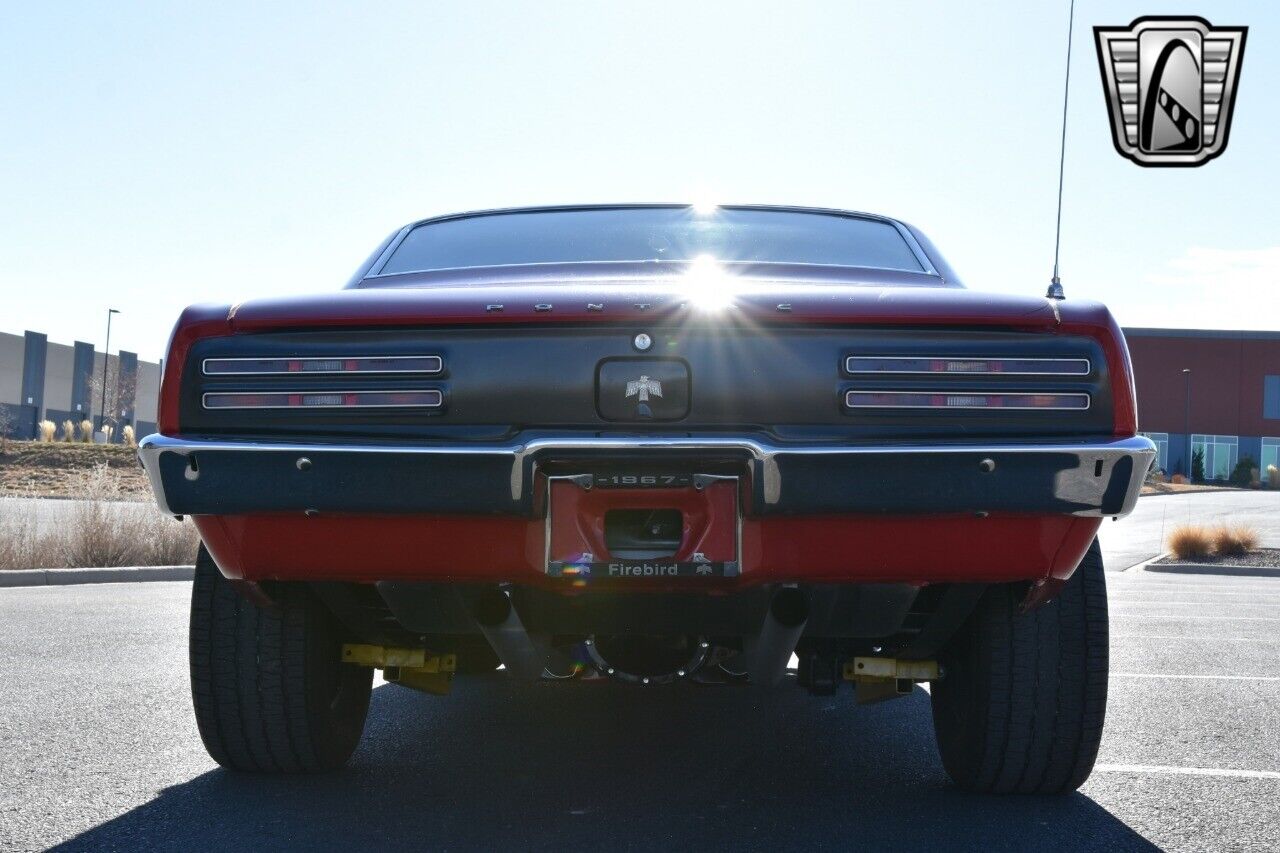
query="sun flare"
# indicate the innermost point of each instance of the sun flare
(708, 285)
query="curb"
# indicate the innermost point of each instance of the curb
(1213, 569)
(1141, 564)
(67, 577)
(1214, 491)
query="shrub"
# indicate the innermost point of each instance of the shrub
(130, 439)
(1234, 541)
(1178, 480)
(20, 541)
(1191, 542)
(86, 431)
(1243, 473)
(163, 541)
(1197, 467)
(98, 531)
(1273, 477)
(48, 429)
(68, 431)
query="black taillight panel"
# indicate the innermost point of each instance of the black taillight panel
(788, 381)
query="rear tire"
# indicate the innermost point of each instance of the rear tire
(1020, 708)
(270, 691)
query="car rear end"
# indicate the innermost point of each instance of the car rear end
(695, 471)
(850, 452)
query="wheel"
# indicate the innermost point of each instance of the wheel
(270, 692)
(1021, 703)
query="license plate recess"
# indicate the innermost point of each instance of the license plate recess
(577, 545)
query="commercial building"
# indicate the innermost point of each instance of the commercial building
(40, 380)
(1215, 392)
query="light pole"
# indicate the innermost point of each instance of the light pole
(1186, 418)
(106, 356)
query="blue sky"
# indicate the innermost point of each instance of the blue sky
(154, 155)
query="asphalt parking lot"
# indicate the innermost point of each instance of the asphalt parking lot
(1141, 535)
(100, 751)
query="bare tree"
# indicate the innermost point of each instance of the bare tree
(121, 394)
(6, 424)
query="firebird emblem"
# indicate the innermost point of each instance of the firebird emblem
(644, 386)
(1170, 84)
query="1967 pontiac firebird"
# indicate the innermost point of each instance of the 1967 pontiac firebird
(653, 443)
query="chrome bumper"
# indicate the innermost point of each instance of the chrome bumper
(195, 477)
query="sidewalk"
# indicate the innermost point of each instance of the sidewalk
(124, 574)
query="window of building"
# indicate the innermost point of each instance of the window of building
(1270, 456)
(1219, 453)
(1271, 397)
(1161, 440)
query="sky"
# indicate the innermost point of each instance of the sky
(160, 154)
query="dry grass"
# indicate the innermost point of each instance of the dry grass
(1198, 541)
(1191, 542)
(86, 431)
(130, 437)
(100, 530)
(68, 431)
(1273, 476)
(1235, 540)
(35, 469)
(48, 429)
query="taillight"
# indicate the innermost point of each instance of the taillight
(859, 364)
(425, 399)
(857, 399)
(421, 364)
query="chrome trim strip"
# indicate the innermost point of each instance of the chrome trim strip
(848, 360)
(948, 392)
(204, 365)
(1139, 448)
(914, 245)
(439, 399)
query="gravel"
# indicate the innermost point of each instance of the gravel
(1263, 558)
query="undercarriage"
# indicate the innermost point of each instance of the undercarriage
(652, 638)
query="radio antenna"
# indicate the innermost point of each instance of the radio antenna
(1055, 284)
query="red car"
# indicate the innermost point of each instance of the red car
(653, 443)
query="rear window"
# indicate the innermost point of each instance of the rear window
(652, 234)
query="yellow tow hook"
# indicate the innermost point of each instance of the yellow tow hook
(413, 668)
(878, 679)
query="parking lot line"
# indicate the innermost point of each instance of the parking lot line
(1202, 618)
(1151, 582)
(1161, 590)
(1114, 596)
(1186, 771)
(1180, 676)
(1147, 576)
(1200, 638)
(1189, 603)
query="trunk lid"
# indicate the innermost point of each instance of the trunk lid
(637, 293)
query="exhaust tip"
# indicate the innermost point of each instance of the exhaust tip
(790, 607)
(492, 608)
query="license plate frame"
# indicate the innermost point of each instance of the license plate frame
(716, 495)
